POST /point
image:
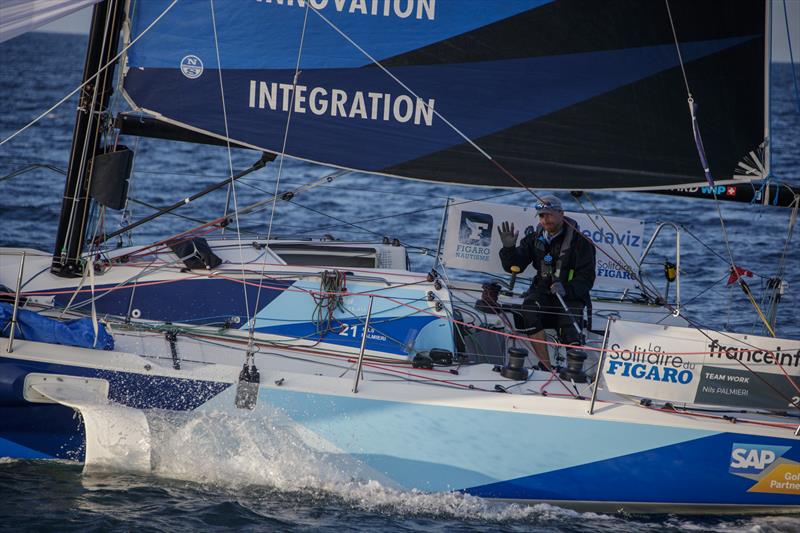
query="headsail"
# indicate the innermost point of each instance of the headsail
(564, 94)
(21, 16)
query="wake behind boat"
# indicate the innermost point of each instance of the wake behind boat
(417, 380)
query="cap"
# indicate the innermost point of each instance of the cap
(548, 204)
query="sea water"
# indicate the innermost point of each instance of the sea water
(218, 472)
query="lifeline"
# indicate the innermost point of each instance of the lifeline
(340, 103)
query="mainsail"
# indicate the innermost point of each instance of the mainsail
(564, 94)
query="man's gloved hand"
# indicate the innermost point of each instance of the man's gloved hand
(507, 234)
(558, 288)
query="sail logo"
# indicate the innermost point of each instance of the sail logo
(322, 101)
(719, 190)
(418, 9)
(191, 67)
(475, 236)
(754, 458)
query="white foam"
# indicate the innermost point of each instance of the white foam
(757, 524)
(233, 450)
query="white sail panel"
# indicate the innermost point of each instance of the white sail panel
(21, 16)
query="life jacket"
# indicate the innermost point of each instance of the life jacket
(541, 245)
(566, 243)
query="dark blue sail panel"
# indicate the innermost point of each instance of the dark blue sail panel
(265, 34)
(595, 107)
(329, 100)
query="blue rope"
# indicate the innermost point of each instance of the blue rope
(758, 192)
(698, 141)
(791, 56)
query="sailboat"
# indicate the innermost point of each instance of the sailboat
(416, 380)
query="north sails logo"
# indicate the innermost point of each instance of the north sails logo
(750, 167)
(191, 67)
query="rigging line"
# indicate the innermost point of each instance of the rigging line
(754, 373)
(405, 213)
(102, 133)
(419, 99)
(608, 223)
(125, 218)
(790, 232)
(190, 174)
(95, 75)
(724, 229)
(628, 268)
(300, 188)
(772, 297)
(678, 49)
(449, 124)
(584, 347)
(711, 286)
(232, 185)
(245, 210)
(791, 56)
(346, 223)
(706, 246)
(407, 194)
(250, 185)
(763, 318)
(701, 153)
(146, 271)
(406, 87)
(528, 343)
(156, 208)
(280, 164)
(32, 166)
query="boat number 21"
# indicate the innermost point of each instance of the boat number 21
(349, 331)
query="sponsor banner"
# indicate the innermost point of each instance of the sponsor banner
(765, 464)
(690, 365)
(472, 241)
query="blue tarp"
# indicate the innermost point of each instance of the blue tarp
(35, 327)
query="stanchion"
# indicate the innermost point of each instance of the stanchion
(10, 347)
(600, 364)
(363, 346)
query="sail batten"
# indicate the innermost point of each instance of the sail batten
(605, 108)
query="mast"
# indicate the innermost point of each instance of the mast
(107, 19)
(767, 89)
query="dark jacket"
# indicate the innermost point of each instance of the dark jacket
(577, 269)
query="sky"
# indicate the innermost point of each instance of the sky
(79, 23)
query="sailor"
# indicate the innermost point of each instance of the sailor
(565, 266)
